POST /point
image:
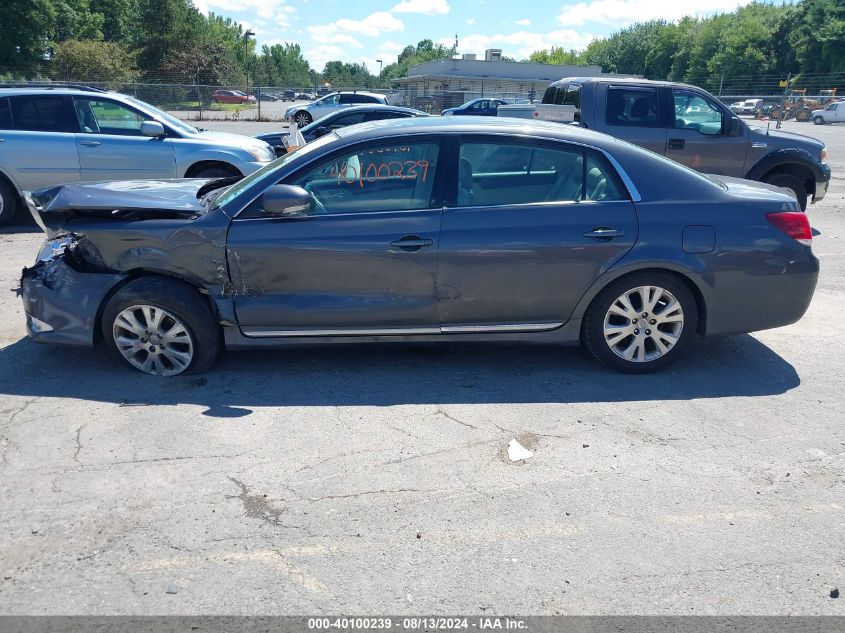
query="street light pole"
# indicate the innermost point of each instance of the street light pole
(247, 35)
(380, 66)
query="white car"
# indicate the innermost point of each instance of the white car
(305, 113)
(833, 113)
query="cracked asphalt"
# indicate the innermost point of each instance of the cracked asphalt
(376, 480)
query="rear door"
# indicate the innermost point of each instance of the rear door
(364, 262)
(699, 135)
(633, 113)
(531, 226)
(39, 149)
(111, 146)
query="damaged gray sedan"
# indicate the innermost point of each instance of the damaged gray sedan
(430, 230)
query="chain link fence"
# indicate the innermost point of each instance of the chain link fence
(786, 96)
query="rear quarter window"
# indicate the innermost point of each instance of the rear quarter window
(632, 107)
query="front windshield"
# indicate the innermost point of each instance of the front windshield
(161, 114)
(245, 183)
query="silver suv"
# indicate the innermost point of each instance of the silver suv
(53, 135)
(305, 113)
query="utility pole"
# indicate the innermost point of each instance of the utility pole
(380, 66)
(783, 101)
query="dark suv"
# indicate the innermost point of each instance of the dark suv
(691, 126)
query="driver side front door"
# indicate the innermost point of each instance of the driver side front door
(362, 262)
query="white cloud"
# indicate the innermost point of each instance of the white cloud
(319, 55)
(471, 21)
(371, 26)
(524, 22)
(281, 13)
(620, 13)
(426, 7)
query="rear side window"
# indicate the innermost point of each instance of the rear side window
(379, 116)
(348, 119)
(632, 107)
(47, 113)
(505, 173)
(5, 115)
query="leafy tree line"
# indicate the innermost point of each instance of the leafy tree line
(170, 40)
(758, 39)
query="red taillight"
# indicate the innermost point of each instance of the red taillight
(794, 224)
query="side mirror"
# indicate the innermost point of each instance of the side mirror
(152, 128)
(287, 200)
(734, 127)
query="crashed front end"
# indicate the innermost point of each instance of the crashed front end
(101, 234)
(62, 295)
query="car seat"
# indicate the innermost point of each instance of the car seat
(465, 184)
(568, 186)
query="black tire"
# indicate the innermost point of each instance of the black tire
(217, 171)
(592, 333)
(818, 119)
(303, 118)
(9, 203)
(180, 300)
(789, 181)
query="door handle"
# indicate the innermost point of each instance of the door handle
(677, 143)
(411, 243)
(89, 143)
(604, 233)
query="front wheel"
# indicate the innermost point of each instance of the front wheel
(161, 327)
(302, 118)
(641, 323)
(818, 120)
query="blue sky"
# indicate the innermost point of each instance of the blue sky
(367, 30)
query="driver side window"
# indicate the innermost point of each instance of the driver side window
(99, 116)
(385, 177)
(694, 112)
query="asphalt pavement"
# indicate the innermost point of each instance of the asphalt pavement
(377, 480)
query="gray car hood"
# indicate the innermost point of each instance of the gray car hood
(782, 140)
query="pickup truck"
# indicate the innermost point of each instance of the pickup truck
(691, 126)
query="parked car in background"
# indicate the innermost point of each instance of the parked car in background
(430, 229)
(52, 135)
(305, 96)
(305, 113)
(340, 119)
(736, 107)
(267, 96)
(833, 113)
(691, 126)
(231, 96)
(476, 107)
(288, 95)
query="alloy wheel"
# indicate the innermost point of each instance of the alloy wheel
(643, 324)
(153, 340)
(302, 119)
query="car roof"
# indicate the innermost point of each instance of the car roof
(41, 90)
(476, 125)
(376, 107)
(618, 80)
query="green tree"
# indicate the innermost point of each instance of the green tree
(93, 60)
(555, 55)
(27, 27)
(424, 51)
(163, 27)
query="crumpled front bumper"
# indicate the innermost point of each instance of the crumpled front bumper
(61, 303)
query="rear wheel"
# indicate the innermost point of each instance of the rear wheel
(8, 202)
(818, 119)
(161, 327)
(641, 323)
(789, 181)
(302, 118)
